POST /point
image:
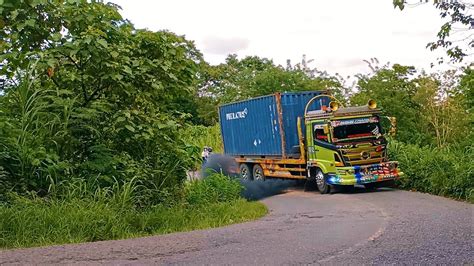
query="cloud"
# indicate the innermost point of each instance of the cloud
(338, 34)
(224, 46)
(343, 63)
(422, 34)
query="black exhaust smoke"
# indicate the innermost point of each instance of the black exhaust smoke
(220, 163)
(258, 189)
(253, 189)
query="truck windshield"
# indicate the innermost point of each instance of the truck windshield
(345, 130)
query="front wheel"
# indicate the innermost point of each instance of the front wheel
(323, 186)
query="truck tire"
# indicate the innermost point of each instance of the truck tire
(323, 186)
(245, 172)
(310, 184)
(371, 186)
(258, 172)
(389, 184)
(345, 188)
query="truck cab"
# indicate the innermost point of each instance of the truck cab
(347, 146)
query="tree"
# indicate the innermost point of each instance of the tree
(466, 86)
(253, 76)
(459, 14)
(442, 112)
(430, 109)
(393, 89)
(102, 100)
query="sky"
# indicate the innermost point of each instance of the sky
(337, 34)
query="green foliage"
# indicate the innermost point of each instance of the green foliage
(38, 222)
(102, 101)
(198, 136)
(214, 188)
(201, 136)
(429, 109)
(446, 172)
(5, 184)
(79, 211)
(393, 91)
(466, 85)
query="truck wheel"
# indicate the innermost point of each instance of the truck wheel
(345, 188)
(245, 172)
(310, 184)
(323, 187)
(387, 183)
(258, 172)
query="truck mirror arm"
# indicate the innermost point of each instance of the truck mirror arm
(393, 126)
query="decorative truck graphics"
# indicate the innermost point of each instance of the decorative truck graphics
(309, 135)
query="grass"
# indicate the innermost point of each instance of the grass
(75, 215)
(39, 223)
(445, 172)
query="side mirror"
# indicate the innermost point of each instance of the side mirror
(389, 124)
(393, 126)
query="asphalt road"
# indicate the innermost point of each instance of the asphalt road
(381, 227)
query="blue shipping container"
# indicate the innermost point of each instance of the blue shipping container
(253, 127)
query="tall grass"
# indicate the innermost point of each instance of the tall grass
(441, 171)
(38, 222)
(74, 214)
(23, 151)
(216, 188)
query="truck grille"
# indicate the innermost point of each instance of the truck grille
(362, 155)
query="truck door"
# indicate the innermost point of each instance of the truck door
(318, 134)
(324, 151)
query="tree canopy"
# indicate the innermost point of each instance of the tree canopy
(87, 95)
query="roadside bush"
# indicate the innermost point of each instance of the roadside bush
(441, 171)
(4, 185)
(201, 136)
(214, 188)
(74, 214)
(198, 136)
(39, 221)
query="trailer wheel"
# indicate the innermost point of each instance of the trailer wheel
(245, 172)
(258, 172)
(323, 186)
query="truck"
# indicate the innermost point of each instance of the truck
(309, 136)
